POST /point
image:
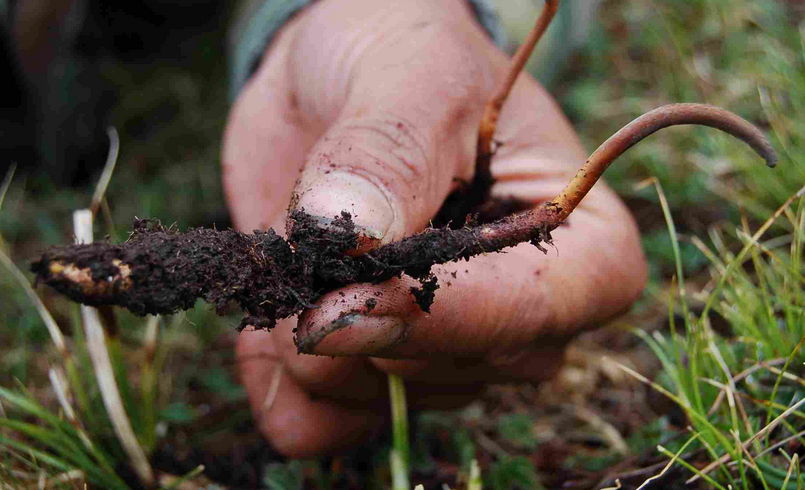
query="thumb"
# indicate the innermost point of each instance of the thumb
(404, 130)
(385, 169)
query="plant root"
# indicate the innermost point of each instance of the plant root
(474, 197)
(160, 270)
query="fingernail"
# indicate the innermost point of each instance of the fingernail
(339, 191)
(352, 333)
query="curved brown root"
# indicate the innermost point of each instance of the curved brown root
(483, 180)
(643, 126)
(474, 197)
(489, 121)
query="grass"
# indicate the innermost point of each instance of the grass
(730, 355)
(702, 368)
(745, 56)
(748, 57)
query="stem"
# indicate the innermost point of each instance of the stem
(470, 198)
(643, 126)
(489, 121)
(401, 453)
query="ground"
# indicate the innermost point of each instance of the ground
(594, 422)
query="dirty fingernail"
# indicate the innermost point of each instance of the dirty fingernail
(351, 334)
(338, 191)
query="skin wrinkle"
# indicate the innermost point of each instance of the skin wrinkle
(399, 132)
(364, 33)
(347, 66)
(533, 191)
(382, 184)
(450, 118)
(508, 331)
(387, 21)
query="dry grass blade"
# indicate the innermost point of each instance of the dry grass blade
(670, 462)
(474, 482)
(768, 428)
(108, 170)
(47, 318)
(731, 384)
(791, 466)
(273, 388)
(752, 242)
(740, 376)
(7, 183)
(73, 477)
(104, 372)
(59, 383)
(780, 443)
(57, 481)
(786, 375)
(617, 486)
(170, 482)
(610, 434)
(752, 463)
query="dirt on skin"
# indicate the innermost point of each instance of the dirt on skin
(160, 270)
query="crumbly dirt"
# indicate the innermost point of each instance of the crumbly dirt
(170, 270)
(160, 270)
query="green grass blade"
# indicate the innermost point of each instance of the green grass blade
(401, 454)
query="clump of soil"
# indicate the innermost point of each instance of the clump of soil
(169, 270)
(159, 270)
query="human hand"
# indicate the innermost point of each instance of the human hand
(373, 108)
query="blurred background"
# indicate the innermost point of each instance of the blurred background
(157, 71)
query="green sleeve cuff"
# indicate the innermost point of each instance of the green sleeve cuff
(259, 20)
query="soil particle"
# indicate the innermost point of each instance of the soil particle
(424, 295)
(268, 277)
(371, 303)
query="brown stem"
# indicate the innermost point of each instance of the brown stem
(474, 198)
(489, 121)
(643, 126)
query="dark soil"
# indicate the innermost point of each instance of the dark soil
(268, 277)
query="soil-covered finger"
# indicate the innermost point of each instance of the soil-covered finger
(401, 119)
(160, 270)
